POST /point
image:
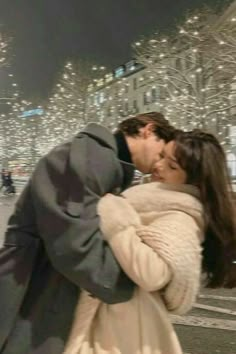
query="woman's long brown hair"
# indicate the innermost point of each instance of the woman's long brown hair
(202, 157)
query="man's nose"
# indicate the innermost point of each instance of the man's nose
(159, 163)
(157, 159)
(156, 167)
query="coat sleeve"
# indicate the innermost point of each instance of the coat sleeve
(69, 227)
(139, 261)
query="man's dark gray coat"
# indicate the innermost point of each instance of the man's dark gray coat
(53, 245)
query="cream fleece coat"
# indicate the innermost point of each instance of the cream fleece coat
(155, 233)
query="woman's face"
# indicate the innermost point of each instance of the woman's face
(167, 170)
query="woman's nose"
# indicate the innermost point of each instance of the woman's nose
(159, 164)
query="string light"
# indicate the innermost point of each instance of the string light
(11, 132)
(65, 113)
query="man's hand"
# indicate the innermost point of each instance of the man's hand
(113, 211)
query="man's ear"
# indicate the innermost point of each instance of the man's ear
(147, 131)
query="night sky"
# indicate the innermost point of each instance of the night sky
(48, 32)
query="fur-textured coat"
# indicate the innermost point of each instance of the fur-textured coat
(155, 233)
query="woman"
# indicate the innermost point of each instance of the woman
(161, 233)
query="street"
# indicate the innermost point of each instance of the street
(6, 206)
(210, 328)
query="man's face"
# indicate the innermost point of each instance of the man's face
(146, 150)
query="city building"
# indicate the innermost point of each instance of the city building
(131, 89)
(125, 92)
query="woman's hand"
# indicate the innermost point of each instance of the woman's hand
(116, 214)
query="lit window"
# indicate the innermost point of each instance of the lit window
(146, 98)
(231, 162)
(109, 112)
(154, 95)
(131, 65)
(135, 106)
(126, 106)
(96, 99)
(119, 71)
(102, 97)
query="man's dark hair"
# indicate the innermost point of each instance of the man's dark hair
(161, 127)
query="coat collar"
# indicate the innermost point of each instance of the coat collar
(181, 188)
(160, 197)
(102, 134)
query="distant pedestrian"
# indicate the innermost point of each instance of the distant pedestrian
(2, 178)
(7, 182)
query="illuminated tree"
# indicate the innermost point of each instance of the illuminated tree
(21, 132)
(8, 96)
(65, 114)
(195, 70)
(3, 50)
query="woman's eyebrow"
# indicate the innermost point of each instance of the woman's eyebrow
(172, 159)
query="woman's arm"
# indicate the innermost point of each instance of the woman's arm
(120, 224)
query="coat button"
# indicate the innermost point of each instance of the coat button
(106, 286)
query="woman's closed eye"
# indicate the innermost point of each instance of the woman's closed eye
(173, 166)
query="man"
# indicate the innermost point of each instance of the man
(8, 183)
(3, 172)
(53, 245)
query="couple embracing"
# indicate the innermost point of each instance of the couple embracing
(90, 266)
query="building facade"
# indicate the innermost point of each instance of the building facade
(131, 89)
(125, 92)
